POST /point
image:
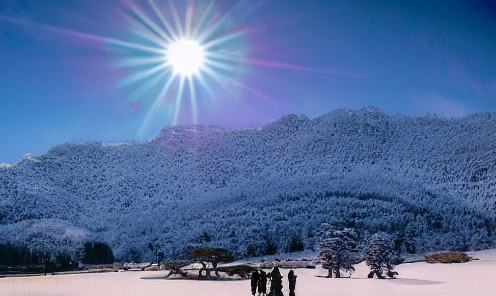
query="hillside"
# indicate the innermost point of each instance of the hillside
(430, 181)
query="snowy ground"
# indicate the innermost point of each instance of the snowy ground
(476, 278)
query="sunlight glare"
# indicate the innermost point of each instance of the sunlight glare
(178, 57)
(186, 57)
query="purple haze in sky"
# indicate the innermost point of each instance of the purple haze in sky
(91, 70)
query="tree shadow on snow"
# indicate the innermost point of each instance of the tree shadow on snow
(192, 278)
(414, 282)
(396, 280)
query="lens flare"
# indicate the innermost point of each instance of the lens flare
(169, 55)
(181, 59)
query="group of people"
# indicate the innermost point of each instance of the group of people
(259, 281)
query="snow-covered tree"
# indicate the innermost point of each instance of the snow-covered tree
(380, 256)
(337, 251)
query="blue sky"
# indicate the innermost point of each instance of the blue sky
(70, 70)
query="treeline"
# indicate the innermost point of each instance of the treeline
(270, 247)
(97, 253)
(20, 259)
(26, 260)
(11, 254)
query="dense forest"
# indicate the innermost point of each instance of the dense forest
(428, 181)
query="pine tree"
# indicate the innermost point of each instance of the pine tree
(337, 251)
(296, 244)
(97, 253)
(380, 256)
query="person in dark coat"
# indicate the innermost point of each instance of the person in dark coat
(262, 283)
(275, 282)
(254, 282)
(292, 282)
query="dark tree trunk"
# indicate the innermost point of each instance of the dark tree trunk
(177, 270)
(214, 264)
(204, 267)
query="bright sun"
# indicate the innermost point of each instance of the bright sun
(186, 57)
(180, 56)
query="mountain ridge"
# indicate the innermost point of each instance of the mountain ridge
(433, 178)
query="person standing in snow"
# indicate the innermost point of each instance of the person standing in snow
(275, 282)
(254, 282)
(292, 282)
(262, 283)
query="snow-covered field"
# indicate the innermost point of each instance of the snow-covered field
(476, 278)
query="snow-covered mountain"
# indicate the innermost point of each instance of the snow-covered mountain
(429, 181)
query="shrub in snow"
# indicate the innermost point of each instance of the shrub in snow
(447, 257)
(380, 256)
(337, 252)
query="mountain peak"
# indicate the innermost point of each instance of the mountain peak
(195, 136)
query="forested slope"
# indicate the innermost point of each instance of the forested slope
(430, 181)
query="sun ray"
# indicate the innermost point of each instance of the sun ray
(222, 56)
(217, 77)
(222, 39)
(210, 53)
(175, 16)
(218, 65)
(189, 19)
(141, 61)
(164, 21)
(141, 75)
(207, 88)
(205, 13)
(193, 100)
(86, 36)
(177, 102)
(158, 100)
(281, 65)
(256, 92)
(141, 93)
(183, 36)
(150, 25)
(144, 31)
(213, 74)
(127, 44)
(210, 30)
(200, 49)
